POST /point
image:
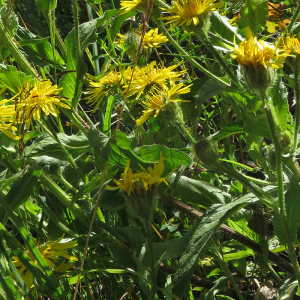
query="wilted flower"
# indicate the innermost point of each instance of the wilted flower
(35, 98)
(52, 252)
(157, 99)
(290, 45)
(187, 12)
(150, 75)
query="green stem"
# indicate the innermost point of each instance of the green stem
(181, 126)
(252, 187)
(182, 52)
(78, 54)
(281, 201)
(227, 272)
(292, 164)
(297, 92)
(147, 225)
(15, 52)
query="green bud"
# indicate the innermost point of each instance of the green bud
(202, 27)
(259, 79)
(207, 151)
(142, 206)
(132, 43)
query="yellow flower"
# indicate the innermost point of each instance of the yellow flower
(157, 99)
(7, 118)
(151, 38)
(51, 251)
(139, 183)
(150, 75)
(98, 88)
(252, 52)
(187, 12)
(33, 99)
(130, 5)
(290, 45)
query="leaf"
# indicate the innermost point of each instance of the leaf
(37, 50)
(254, 14)
(10, 20)
(46, 4)
(107, 119)
(280, 105)
(48, 154)
(87, 35)
(222, 27)
(196, 191)
(112, 200)
(256, 124)
(209, 89)
(13, 79)
(173, 157)
(229, 129)
(21, 190)
(202, 232)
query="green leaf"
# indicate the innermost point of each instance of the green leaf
(209, 89)
(46, 4)
(256, 124)
(13, 79)
(196, 191)
(229, 129)
(37, 50)
(112, 200)
(46, 152)
(107, 119)
(278, 97)
(87, 35)
(21, 190)
(202, 232)
(254, 14)
(10, 20)
(173, 157)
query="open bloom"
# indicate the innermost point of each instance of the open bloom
(252, 52)
(151, 39)
(52, 252)
(186, 12)
(35, 98)
(142, 181)
(7, 118)
(290, 45)
(157, 99)
(151, 75)
(130, 5)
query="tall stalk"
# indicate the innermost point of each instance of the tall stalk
(281, 200)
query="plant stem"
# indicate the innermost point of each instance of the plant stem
(252, 187)
(181, 126)
(15, 52)
(297, 92)
(281, 201)
(75, 100)
(182, 52)
(147, 225)
(227, 272)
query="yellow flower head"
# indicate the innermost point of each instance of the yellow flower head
(157, 99)
(150, 75)
(35, 98)
(151, 39)
(98, 88)
(130, 5)
(290, 45)
(187, 12)
(51, 251)
(139, 183)
(7, 118)
(252, 52)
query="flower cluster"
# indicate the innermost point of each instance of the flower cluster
(31, 100)
(52, 252)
